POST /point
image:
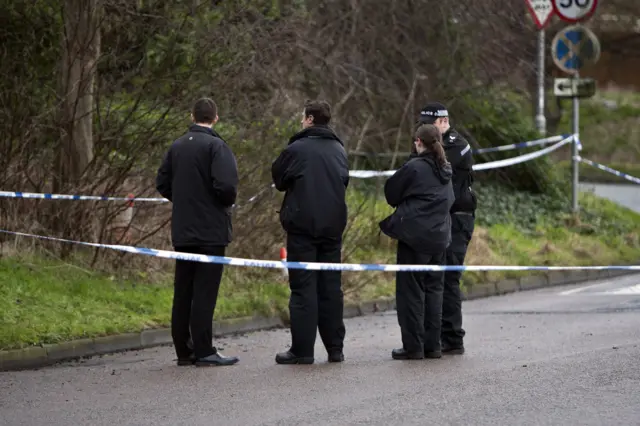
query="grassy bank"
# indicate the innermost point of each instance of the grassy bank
(47, 301)
(608, 131)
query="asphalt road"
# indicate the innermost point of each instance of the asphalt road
(627, 195)
(561, 356)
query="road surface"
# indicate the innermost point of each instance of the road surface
(560, 356)
(627, 195)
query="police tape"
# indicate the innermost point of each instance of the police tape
(610, 170)
(543, 141)
(319, 266)
(365, 174)
(47, 196)
(361, 174)
(509, 147)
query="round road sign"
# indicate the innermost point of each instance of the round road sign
(574, 10)
(575, 47)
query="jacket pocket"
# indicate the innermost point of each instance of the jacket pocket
(463, 224)
(288, 212)
(389, 225)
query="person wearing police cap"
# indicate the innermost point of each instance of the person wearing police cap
(459, 154)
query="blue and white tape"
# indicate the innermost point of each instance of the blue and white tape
(47, 196)
(361, 174)
(319, 266)
(610, 170)
(364, 174)
(544, 141)
(522, 158)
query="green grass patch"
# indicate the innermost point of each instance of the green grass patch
(45, 301)
(609, 127)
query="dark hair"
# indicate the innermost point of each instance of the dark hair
(320, 110)
(431, 138)
(205, 111)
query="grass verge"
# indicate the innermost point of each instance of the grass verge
(46, 301)
(608, 128)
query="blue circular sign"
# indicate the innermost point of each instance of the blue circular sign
(575, 47)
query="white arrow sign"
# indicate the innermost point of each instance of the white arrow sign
(574, 10)
(541, 10)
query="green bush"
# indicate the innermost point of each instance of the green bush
(496, 119)
(500, 204)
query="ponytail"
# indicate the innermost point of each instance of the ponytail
(438, 151)
(431, 138)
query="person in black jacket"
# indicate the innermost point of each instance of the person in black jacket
(313, 172)
(422, 194)
(459, 153)
(199, 176)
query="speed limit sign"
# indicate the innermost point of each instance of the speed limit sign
(575, 10)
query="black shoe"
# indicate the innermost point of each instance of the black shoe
(191, 360)
(290, 358)
(403, 354)
(432, 354)
(336, 356)
(452, 350)
(215, 360)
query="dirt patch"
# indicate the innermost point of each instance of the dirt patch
(480, 252)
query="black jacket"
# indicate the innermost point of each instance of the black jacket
(422, 193)
(199, 175)
(314, 172)
(459, 154)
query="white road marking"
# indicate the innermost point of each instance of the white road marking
(635, 289)
(579, 289)
(623, 291)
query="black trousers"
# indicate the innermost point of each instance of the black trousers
(462, 226)
(419, 301)
(195, 293)
(316, 301)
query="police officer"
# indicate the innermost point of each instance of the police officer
(313, 171)
(199, 176)
(459, 154)
(422, 194)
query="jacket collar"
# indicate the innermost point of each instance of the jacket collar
(323, 132)
(202, 129)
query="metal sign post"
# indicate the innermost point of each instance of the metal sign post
(541, 120)
(572, 49)
(575, 164)
(541, 11)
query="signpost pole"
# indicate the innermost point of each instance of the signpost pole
(573, 48)
(541, 121)
(574, 150)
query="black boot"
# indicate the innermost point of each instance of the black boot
(191, 360)
(336, 356)
(290, 358)
(452, 350)
(402, 354)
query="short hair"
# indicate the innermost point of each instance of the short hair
(205, 111)
(320, 110)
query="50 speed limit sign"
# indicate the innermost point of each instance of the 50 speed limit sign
(574, 10)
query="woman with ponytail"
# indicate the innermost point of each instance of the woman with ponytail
(422, 195)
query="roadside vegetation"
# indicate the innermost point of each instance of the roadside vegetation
(260, 60)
